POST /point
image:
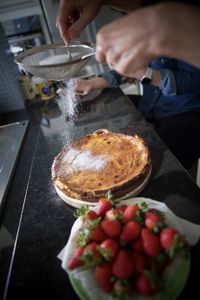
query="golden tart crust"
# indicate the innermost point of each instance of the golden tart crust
(99, 162)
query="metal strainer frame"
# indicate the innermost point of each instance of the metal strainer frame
(57, 71)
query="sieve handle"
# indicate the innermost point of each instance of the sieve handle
(88, 55)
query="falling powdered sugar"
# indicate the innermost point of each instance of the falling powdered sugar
(67, 102)
(68, 133)
(67, 99)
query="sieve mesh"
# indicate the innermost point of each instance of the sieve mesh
(53, 62)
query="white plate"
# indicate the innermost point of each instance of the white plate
(78, 203)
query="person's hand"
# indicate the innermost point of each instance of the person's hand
(74, 15)
(167, 29)
(124, 43)
(85, 86)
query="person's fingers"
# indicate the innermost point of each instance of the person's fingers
(106, 49)
(100, 55)
(113, 57)
(80, 93)
(79, 83)
(129, 64)
(73, 18)
(109, 55)
(84, 19)
(58, 15)
(83, 92)
(77, 27)
(63, 20)
(124, 50)
(64, 33)
(82, 87)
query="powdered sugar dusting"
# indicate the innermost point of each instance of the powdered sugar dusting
(70, 155)
(54, 59)
(84, 160)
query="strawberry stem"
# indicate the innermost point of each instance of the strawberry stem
(83, 210)
(109, 196)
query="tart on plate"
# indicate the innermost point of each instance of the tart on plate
(100, 162)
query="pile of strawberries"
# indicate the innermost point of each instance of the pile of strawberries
(127, 247)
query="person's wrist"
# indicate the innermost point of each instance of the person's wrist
(100, 83)
(147, 77)
(155, 78)
(141, 73)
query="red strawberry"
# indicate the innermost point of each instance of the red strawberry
(91, 255)
(172, 241)
(121, 208)
(154, 220)
(85, 213)
(104, 204)
(91, 215)
(130, 213)
(138, 245)
(131, 231)
(114, 214)
(144, 285)
(97, 234)
(122, 266)
(139, 262)
(167, 237)
(112, 228)
(103, 274)
(151, 242)
(75, 260)
(93, 232)
(109, 249)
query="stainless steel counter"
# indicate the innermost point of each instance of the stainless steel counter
(11, 138)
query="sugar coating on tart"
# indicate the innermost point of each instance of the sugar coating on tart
(91, 166)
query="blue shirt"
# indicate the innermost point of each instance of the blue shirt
(180, 91)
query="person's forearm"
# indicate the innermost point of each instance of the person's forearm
(125, 5)
(84, 87)
(178, 34)
(99, 83)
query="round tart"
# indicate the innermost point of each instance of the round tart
(91, 166)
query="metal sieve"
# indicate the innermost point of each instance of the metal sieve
(53, 61)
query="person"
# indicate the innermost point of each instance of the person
(172, 99)
(131, 42)
(171, 102)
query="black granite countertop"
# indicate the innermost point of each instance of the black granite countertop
(36, 223)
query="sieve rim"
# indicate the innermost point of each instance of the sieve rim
(20, 58)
